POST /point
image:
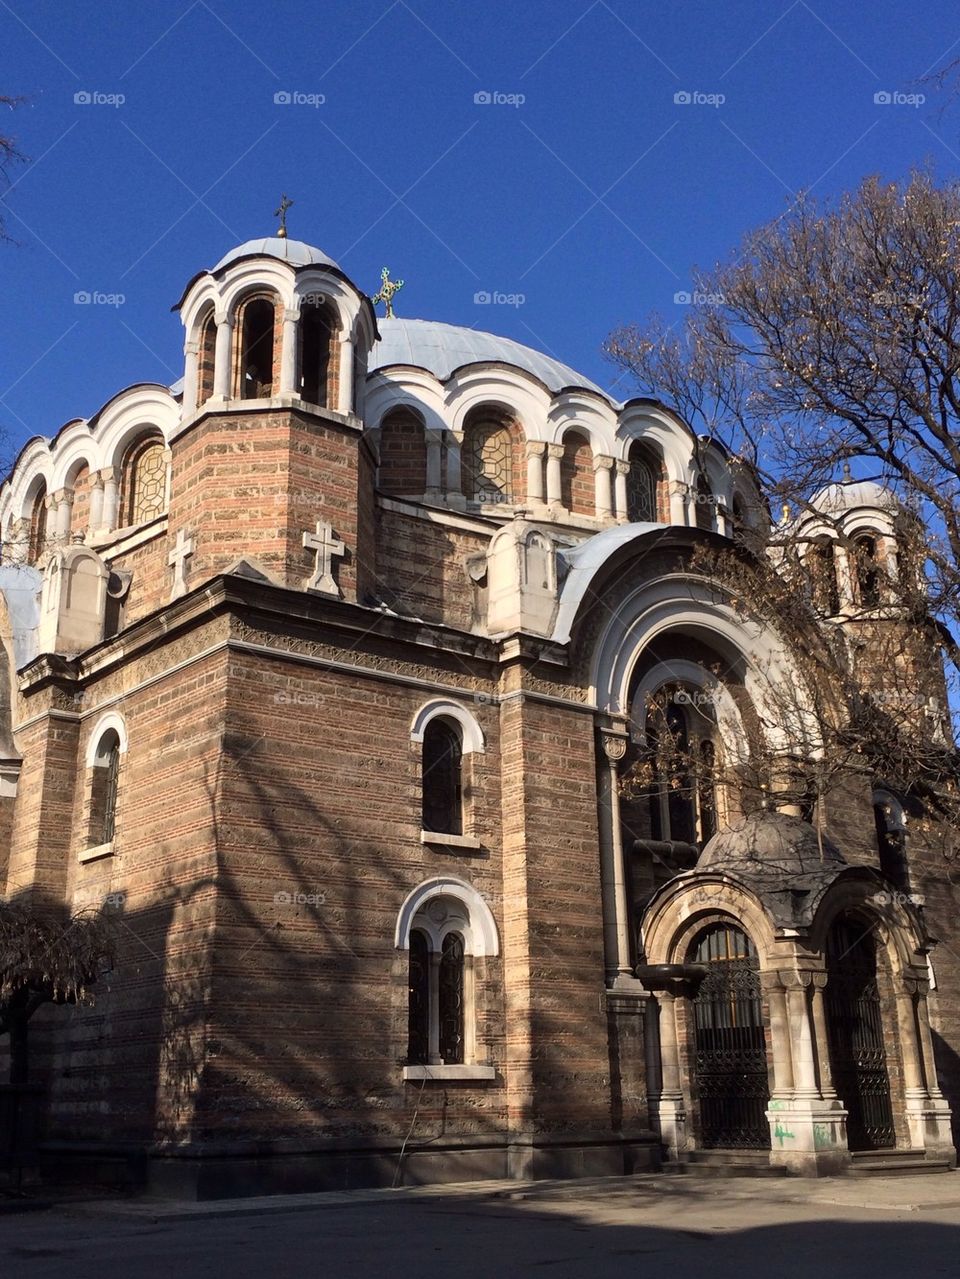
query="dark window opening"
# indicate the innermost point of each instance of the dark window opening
(451, 1000)
(418, 1024)
(868, 571)
(442, 778)
(256, 350)
(106, 776)
(315, 351)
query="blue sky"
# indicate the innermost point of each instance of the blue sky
(583, 188)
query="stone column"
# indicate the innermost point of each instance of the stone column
(603, 487)
(222, 371)
(345, 380)
(621, 471)
(454, 442)
(536, 450)
(433, 1033)
(63, 505)
(668, 1111)
(843, 569)
(926, 1044)
(911, 1051)
(678, 503)
(554, 454)
(804, 1066)
(434, 460)
(928, 1114)
(191, 374)
(779, 1035)
(822, 1043)
(288, 353)
(616, 915)
(96, 504)
(111, 498)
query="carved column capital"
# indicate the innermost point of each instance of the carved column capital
(622, 468)
(555, 450)
(614, 744)
(602, 462)
(536, 448)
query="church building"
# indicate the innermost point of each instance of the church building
(334, 674)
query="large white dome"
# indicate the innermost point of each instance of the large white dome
(293, 251)
(444, 348)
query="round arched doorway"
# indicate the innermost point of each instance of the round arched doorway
(731, 1083)
(858, 1058)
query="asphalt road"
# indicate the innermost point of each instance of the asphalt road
(676, 1229)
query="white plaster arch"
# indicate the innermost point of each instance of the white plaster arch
(407, 388)
(33, 468)
(692, 900)
(443, 708)
(111, 720)
(74, 447)
(252, 276)
(511, 390)
(204, 294)
(135, 412)
(585, 413)
(342, 296)
(481, 938)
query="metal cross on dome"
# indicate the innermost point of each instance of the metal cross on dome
(388, 288)
(281, 213)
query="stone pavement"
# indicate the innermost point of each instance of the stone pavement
(736, 1229)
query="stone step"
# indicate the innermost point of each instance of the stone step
(894, 1163)
(722, 1164)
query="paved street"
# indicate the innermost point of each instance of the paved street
(849, 1229)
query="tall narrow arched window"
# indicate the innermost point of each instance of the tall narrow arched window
(867, 569)
(682, 755)
(487, 459)
(891, 838)
(206, 359)
(255, 371)
(418, 1001)
(450, 995)
(823, 574)
(642, 480)
(105, 788)
(144, 481)
(38, 525)
(316, 341)
(442, 778)
(706, 502)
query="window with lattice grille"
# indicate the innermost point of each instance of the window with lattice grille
(488, 463)
(146, 483)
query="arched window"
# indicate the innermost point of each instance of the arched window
(642, 480)
(706, 502)
(682, 758)
(403, 454)
(577, 490)
(488, 469)
(867, 570)
(823, 574)
(206, 359)
(144, 481)
(442, 778)
(255, 372)
(38, 525)
(317, 340)
(447, 927)
(891, 839)
(104, 788)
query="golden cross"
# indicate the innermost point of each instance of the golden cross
(281, 213)
(388, 288)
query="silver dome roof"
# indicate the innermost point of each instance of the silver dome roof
(293, 251)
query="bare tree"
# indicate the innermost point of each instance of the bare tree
(10, 153)
(45, 958)
(834, 335)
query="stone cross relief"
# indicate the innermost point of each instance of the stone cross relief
(325, 545)
(177, 559)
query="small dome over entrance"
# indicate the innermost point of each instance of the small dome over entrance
(770, 844)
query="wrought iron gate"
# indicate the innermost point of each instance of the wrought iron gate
(731, 1078)
(855, 1030)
